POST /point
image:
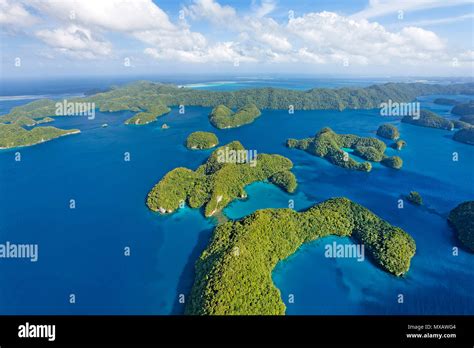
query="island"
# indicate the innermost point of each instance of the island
(388, 131)
(445, 101)
(36, 109)
(220, 180)
(429, 119)
(13, 135)
(150, 100)
(45, 120)
(25, 121)
(467, 119)
(285, 180)
(233, 274)
(415, 198)
(329, 145)
(461, 219)
(222, 117)
(143, 96)
(201, 140)
(399, 144)
(465, 136)
(146, 117)
(459, 124)
(464, 109)
(394, 162)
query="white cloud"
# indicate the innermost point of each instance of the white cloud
(13, 14)
(75, 41)
(78, 28)
(274, 41)
(141, 19)
(180, 38)
(224, 52)
(438, 21)
(113, 15)
(309, 57)
(466, 56)
(420, 39)
(264, 8)
(212, 11)
(323, 37)
(334, 37)
(254, 29)
(379, 8)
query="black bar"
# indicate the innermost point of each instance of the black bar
(136, 330)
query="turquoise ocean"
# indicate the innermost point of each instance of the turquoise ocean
(81, 250)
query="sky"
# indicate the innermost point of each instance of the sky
(45, 38)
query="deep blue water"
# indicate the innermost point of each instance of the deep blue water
(81, 250)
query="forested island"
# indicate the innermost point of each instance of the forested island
(150, 100)
(388, 131)
(465, 136)
(415, 198)
(201, 140)
(399, 144)
(222, 117)
(464, 109)
(142, 96)
(445, 101)
(429, 119)
(233, 274)
(467, 119)
(13, 135)
(220, 180)
(149, 116)
(329, 145)
(25, 121)
(461, 219)
(45, 120)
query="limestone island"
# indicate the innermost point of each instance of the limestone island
(150, 100)
(220, 180)
(445, 101)
(12, 135)
(399, 144)
(146, 96)
(329, 145)
(222, 117)
(388, 131)
(464, 109)
(394, 162)
(463, 123)
(465, 136)
(25, 121)
(468, 119)
(148, 116)
(234, 273)
(415, 198)
(45, 120)
(465, 132)
(201, 140)
(461, 219)
(429, 119)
